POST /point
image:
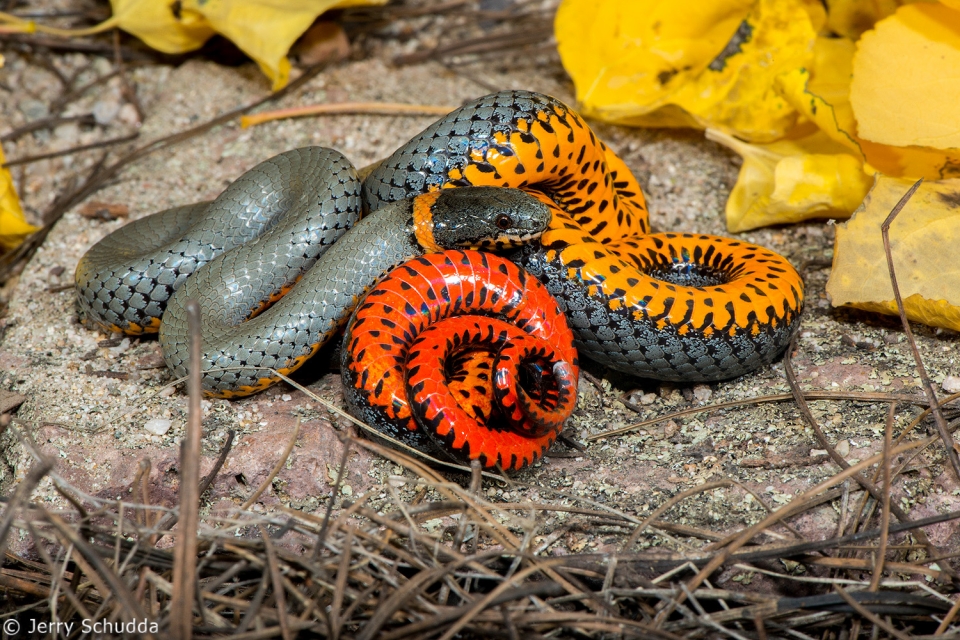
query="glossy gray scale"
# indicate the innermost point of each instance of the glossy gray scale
(314, 310)
(125, 280)
(609, 336)
(616, 339)
(423, 163)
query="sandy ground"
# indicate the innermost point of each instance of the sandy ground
(89, 398)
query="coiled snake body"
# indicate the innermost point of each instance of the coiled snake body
(680, 307)
(400, 359)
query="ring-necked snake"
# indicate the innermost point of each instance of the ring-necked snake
(678, 307)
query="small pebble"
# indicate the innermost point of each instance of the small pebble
(67, 133)
(670, 429)
(669, 393)
(843, 448)
(128, 115)
(648, 398)
(104, 111)
(158, 426)
(33, 109)
(120, 348)
(951, 384)
(702, 393)
(166, 392)
(286, 397)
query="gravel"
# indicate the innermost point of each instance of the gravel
(99, 405)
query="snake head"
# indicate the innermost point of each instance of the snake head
(493, 218)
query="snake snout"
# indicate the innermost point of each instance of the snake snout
(488, 217)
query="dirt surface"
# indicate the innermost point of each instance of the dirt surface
(91, 400)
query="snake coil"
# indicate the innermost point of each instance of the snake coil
(680, 307)
(399, 359)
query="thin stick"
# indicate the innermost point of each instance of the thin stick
(67, 98)
(143, 480)
(669, 504)
(343, 108)
(887, 490)
(343, 573)
(59, 44)
(46, 123)
(224, 452)
(779, 397)
(341, 470)
(29, 26)
(20, 496)
(280, 599)
(927, 384)
(877, 622)
(761, 629)
(867, 485)
(954, 610)
(70, 151)
(126, 87)
(185, 553)
(786, 510)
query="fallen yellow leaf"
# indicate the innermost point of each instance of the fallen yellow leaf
(850, 18)
(906, 79)
(817, 13)
(928, 273)
(705, 63)
(792, 180)
(263, 29)
(822, 95)
(161, 25)
(13, 227)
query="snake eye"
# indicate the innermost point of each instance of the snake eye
(504, 221)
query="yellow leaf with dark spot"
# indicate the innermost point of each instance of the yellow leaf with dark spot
(263, 29)
(792, 180)
(927, 271)
(161, 25)
(703, 63)
(906, 79)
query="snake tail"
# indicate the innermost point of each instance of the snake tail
(414, 403)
